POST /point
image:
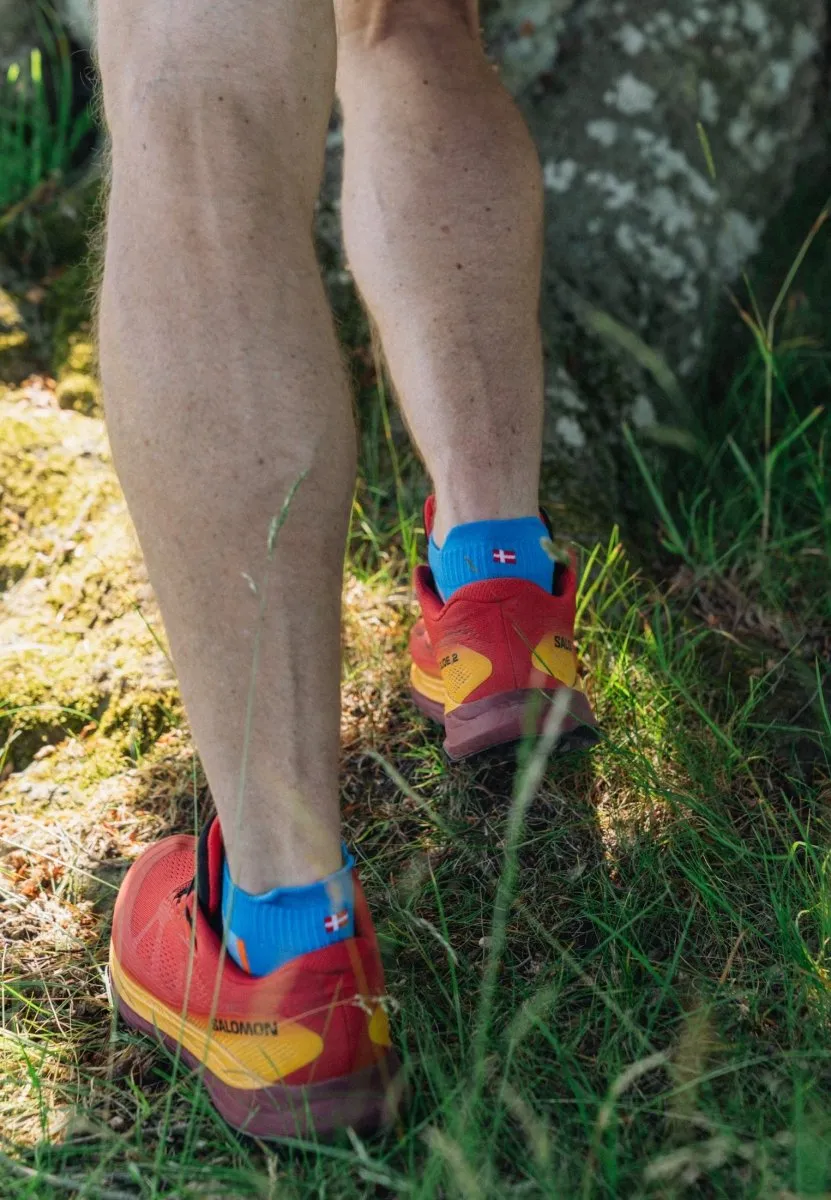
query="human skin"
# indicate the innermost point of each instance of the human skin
(223, 384)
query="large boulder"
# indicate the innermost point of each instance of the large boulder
(641, 228)
(669, 133)
(78, 16)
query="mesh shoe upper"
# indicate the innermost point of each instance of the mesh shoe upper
(494, 636)
(167, 951)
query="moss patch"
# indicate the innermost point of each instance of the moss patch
(14, 340)
(81, 393)
(80, 661)
(69, 310)
(74, 358)
(54, 477)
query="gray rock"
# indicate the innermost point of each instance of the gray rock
(638, 229)
(77, 15)
(525, 37)
(15, 30)
(640, 238)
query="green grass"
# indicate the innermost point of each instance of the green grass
(610, 982)
(655, 1017)
(40, 133)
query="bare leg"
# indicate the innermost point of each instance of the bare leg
(224, 385)
(442, 211)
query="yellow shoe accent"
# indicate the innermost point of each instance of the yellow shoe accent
(552, 657)
(379, 1028)
(463, 670)
(240, 1060)
(428, 685)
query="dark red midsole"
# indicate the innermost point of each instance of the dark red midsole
(366, 1101)
(504, 718)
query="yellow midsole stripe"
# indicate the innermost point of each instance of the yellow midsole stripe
(428, 685)
(238, 1059)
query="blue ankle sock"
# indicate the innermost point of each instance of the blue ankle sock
(265, 931)
(491, 550)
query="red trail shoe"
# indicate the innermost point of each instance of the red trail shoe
(486, 664)
(304, 1050)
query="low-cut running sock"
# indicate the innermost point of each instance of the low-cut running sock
(491, 550)
(267, 930)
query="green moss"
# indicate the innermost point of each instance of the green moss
(54, 693)
(80, 355)
(45, 697)
(76, 655)
(138, 718)
(82, 393)
(42, 489)
(69, 310)
(10, 318)
(14, 341)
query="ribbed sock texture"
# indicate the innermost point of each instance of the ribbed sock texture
(491, 550)
(265, 931)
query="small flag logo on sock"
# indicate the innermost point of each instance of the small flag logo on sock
(336, 921)
(504, 556)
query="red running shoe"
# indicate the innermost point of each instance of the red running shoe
(485, 662)
(304, 1050)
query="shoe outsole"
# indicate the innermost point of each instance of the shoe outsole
(502, 721)
(367, 1101)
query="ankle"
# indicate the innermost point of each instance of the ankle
(452, 511)
(259, 863)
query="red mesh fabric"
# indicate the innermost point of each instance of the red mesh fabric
(171, 873)
(429, 514)
(421, 649)
(171, 963)
(215, 850)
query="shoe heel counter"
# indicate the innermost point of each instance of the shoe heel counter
(473, 652)
(355, 1036)
(541, 645)
(500, 632)
(350, 1017)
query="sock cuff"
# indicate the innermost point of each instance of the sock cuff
(481, 550)
(297, 897)
(266, 930)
